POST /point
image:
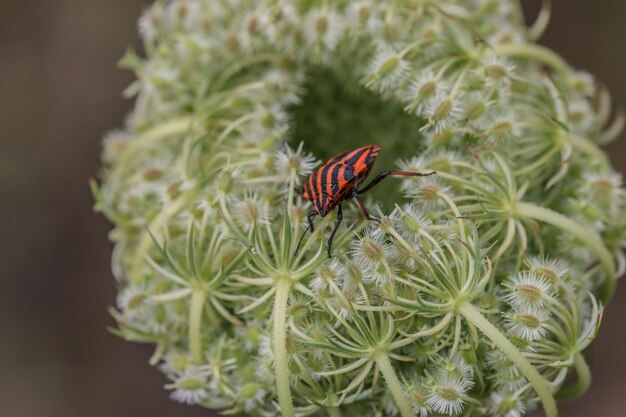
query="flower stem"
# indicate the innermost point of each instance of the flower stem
(588, 147)
(539, 384)
(171, 128)
(283, 287)
(558, 220)
(581, 385)
(198, 297)
(394, 385)
(155, 227)
(535, 52)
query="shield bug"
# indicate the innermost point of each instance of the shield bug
(338, 180)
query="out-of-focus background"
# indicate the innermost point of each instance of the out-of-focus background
(59, 92)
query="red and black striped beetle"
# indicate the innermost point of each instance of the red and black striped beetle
(338, 180)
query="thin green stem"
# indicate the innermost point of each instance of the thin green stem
(281, 368)
(582, 383)
(155, 227)
(531, 51)
(198, 297)
(588, 147)
(393, 384)
(539, 384)
(170, 128)
(558, 220)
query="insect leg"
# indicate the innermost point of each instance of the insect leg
(329, 244)
(310, 218)
(310, 227)
(385, 174)
(355, 195)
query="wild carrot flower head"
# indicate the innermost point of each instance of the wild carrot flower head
(475, 293)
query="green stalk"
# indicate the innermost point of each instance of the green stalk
(539, 384)
(198, 298)
(281, 368)
(558, 220)
(155, 227)
(393, 385)
(588, 147)
(171, 128)
(582, 383)
(531, 51)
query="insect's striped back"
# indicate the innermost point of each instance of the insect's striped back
(330, 183)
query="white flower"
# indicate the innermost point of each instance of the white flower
(289, 162)
(506, 375)
(113, 144)
(527, 322)
(447, 394)
(417, 396)
(190, 386)
(498, 68)
(252, 395)
(250, 211)
(581, 116)
(132, 301)
(343, 305)
(284, 22)
(175, 363)
(411, 222)
(283, 82)
(370, 253)
(327, 273)
(443, 110)
(428, 192)
(421, 89)
(178, 12)
(323, 27)
(252, 30)
(506, 405)
(386, 70)
(151, 21)
(415, 164)
(604, 190)
(527, 289)
(475, 105)
(442, 139)
(551, 270)
(457, 366)
(501, 127)
(583, 82)
(354, 274)
(362, 15)
(445, 160)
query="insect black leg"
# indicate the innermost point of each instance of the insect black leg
(310, 227)
(329, 244)
(310, 218)
(355, 195)
(385, 174)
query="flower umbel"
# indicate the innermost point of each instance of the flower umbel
(476, 291)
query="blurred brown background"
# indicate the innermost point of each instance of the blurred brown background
(59, 92)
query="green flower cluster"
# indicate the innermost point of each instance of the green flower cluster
(474, 295)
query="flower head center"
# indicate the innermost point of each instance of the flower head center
(443, 109)
(530, 292)
(448, 393)
(528, 320)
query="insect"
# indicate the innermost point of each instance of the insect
(338, 180)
